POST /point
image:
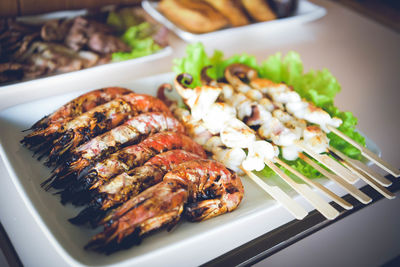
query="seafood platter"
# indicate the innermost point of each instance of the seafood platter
(132, 174)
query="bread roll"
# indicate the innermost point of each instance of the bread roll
(194, 16)
(259, 10)
(230, 10)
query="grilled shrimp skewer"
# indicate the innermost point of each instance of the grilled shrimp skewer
(235, 134)
(129, 184)
(130, 132)
(231, 157)
(272, 127)
(124, 160)
(45, 127)
(301, 109)
(315, 140)
(101, 119)
(198, 189)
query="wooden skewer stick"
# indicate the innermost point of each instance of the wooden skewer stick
(315, 200)
(367, 153)
(343, 203)
(382, 190)
(330, 164)
(279, 195)
(362, 167)
(356, 193)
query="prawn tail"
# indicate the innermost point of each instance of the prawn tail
(107, 243)
(77, 192)
(40, 124)
(61, 147)
(91, 214)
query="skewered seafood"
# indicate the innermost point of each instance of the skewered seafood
(198, 189)
(280, 94)
(124, 160)
(128, 133)
(235, 136)
(129, 184)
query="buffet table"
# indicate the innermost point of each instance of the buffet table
(365, 57)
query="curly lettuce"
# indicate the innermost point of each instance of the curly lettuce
(319, 87)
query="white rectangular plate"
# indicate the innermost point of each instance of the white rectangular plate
(306, 11)
(187, 244)
(92, 71)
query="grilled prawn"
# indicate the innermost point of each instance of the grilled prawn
(49, 125)
(130, 132)
(101, 119)
(80, 105)
(125, 185)
(124, 160)
(198, 189)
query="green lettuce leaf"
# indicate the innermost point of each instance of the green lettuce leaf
(139, 39)
(319, 87)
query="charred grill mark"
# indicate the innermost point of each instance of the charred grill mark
(99, 116)
(231, 189)
(66, 138)
(193, 211)
(125, 157)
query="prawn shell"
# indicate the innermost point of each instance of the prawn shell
(80, 105)
(131, 183)
(201, 188)
(101, 119)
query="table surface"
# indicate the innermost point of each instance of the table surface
(365, 58)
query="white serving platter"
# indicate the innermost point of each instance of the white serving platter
(305, 12)
(188, 244)
(92, 71)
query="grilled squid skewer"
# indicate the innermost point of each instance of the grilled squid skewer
(300, 108)
(236, 134)
(314, 142)
(231, 157)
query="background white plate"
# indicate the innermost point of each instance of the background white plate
(306, 11)
(92, 71)
(187, 244)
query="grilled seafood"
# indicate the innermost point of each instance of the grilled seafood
(50, 124)
(125, 159)
(101, 119)
(80, 105)
(122, 187)
(198, 189)
(130, 132)
(281, 94)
